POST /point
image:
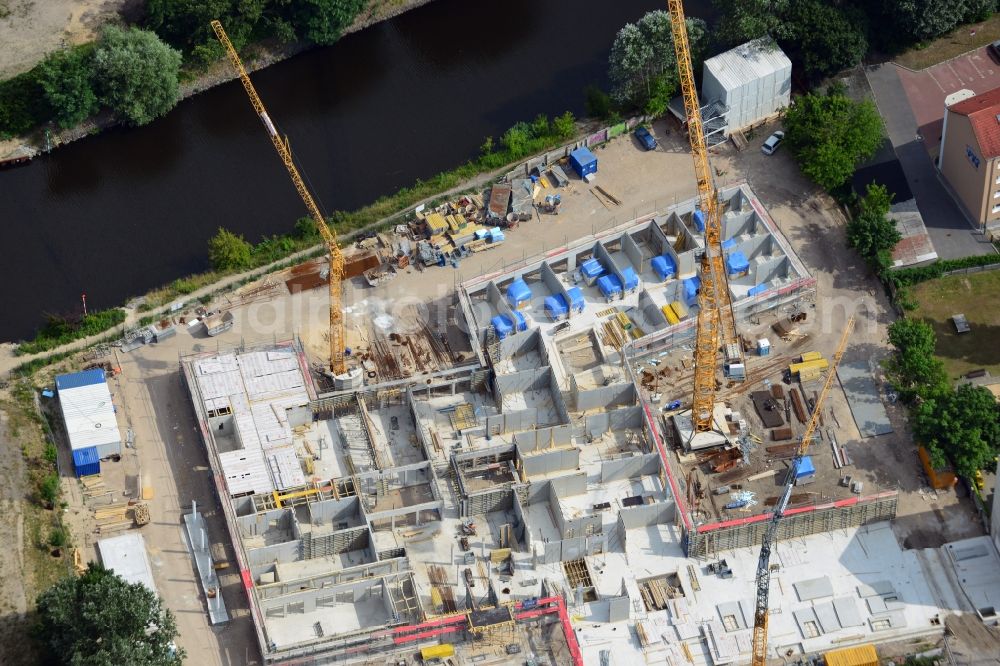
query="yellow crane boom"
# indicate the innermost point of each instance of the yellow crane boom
(337, 364)
(716, 322)
(759, 653)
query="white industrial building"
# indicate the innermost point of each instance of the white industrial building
(752, 81)
(89, 415)
(126, 556)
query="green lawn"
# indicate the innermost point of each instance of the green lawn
(977, 296)
(955, 43)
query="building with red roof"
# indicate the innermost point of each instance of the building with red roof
(970, 155)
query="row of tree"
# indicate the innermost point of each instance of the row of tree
(958, 426)
(128, 71)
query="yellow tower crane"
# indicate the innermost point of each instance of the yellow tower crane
(716, 322)
(764, 561)
(337, 363)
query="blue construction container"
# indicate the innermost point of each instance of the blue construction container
(86, 462)
(726, 244)
(591, 270)
(691, 287)
(555, 306)
(699, 220)
(737, 263)
(664, 266)
(630, 279)
(583, 161)
(502, 325)
(518, 293)
(610, 286)
(576, 301)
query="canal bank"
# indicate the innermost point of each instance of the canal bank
(114, 215)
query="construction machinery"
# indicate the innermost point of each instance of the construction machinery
(337, 360)
(716, 320)
(764, 562)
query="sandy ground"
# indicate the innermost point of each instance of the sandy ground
(34, 28)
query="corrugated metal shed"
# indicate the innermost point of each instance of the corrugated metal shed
(88, 412)
(753, 81)
(126, 556)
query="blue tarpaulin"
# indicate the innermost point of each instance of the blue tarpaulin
(630, 279)
(609, 285)
(502, 325)
(87, 461)
(496, 236)
(664, 266)
(737, 262)
(806, 468)
(726, 244)
(699, 220)
(583, 161)
(691, 286)
(556, 306)
(576, 302)
(522, 323)
(591, 270)
(757, 289)
(518, 292)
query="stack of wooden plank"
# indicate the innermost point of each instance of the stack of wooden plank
(112, 518)
(93, 486)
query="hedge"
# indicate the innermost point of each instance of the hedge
(910, 276)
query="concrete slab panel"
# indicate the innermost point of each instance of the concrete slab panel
(863, 397)
(814, 588)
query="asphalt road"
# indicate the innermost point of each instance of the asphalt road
(948, 228)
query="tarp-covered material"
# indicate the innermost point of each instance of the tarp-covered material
(806, 468)
(737, 262)
(699, 220)
(522, 323)
(87, 462)
(555, 306)
(757, 289)
(664, 266)
(631, 280)
(502, 325)
(609, 285)
(518, 292)
(726, 244)
(497, 236)
(691, 287)
(576, 302)
(583, 161)
(591, 269)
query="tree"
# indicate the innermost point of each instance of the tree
(597, 102)
(323, 21)
(870, 232)
(915, 21)
(962, 426)
(827, 39)
(642, 62)
(100, 619)
(914, 370)
(136, 74)
(65, 79)
(228, 251)
(745, 20)
(831, 134)
(564, 126)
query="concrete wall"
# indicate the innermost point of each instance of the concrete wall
(602, 397)
(649, 317)
(335, 511)
(630, 468)
(261, 558)
(634, 254)
(617, 419)
(660, 513)
(543, 438)
(550, 462)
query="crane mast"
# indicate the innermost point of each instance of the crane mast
(763, 563)
(716, 322)
(337, 362)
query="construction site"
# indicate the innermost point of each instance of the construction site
(641, 445)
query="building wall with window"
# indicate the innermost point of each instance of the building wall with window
(970, 156)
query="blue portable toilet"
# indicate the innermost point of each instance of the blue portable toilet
(576, 302)
(518, 293)
(806, 469)
(86, 462)
(583, 161)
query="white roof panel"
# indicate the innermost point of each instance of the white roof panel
(126, 556)
(89, 415)
(748, 62)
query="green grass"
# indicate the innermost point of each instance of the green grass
(977, 296)
(955, 43)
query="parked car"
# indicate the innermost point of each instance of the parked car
(772, 143)
(994, 50)
(645, 138)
